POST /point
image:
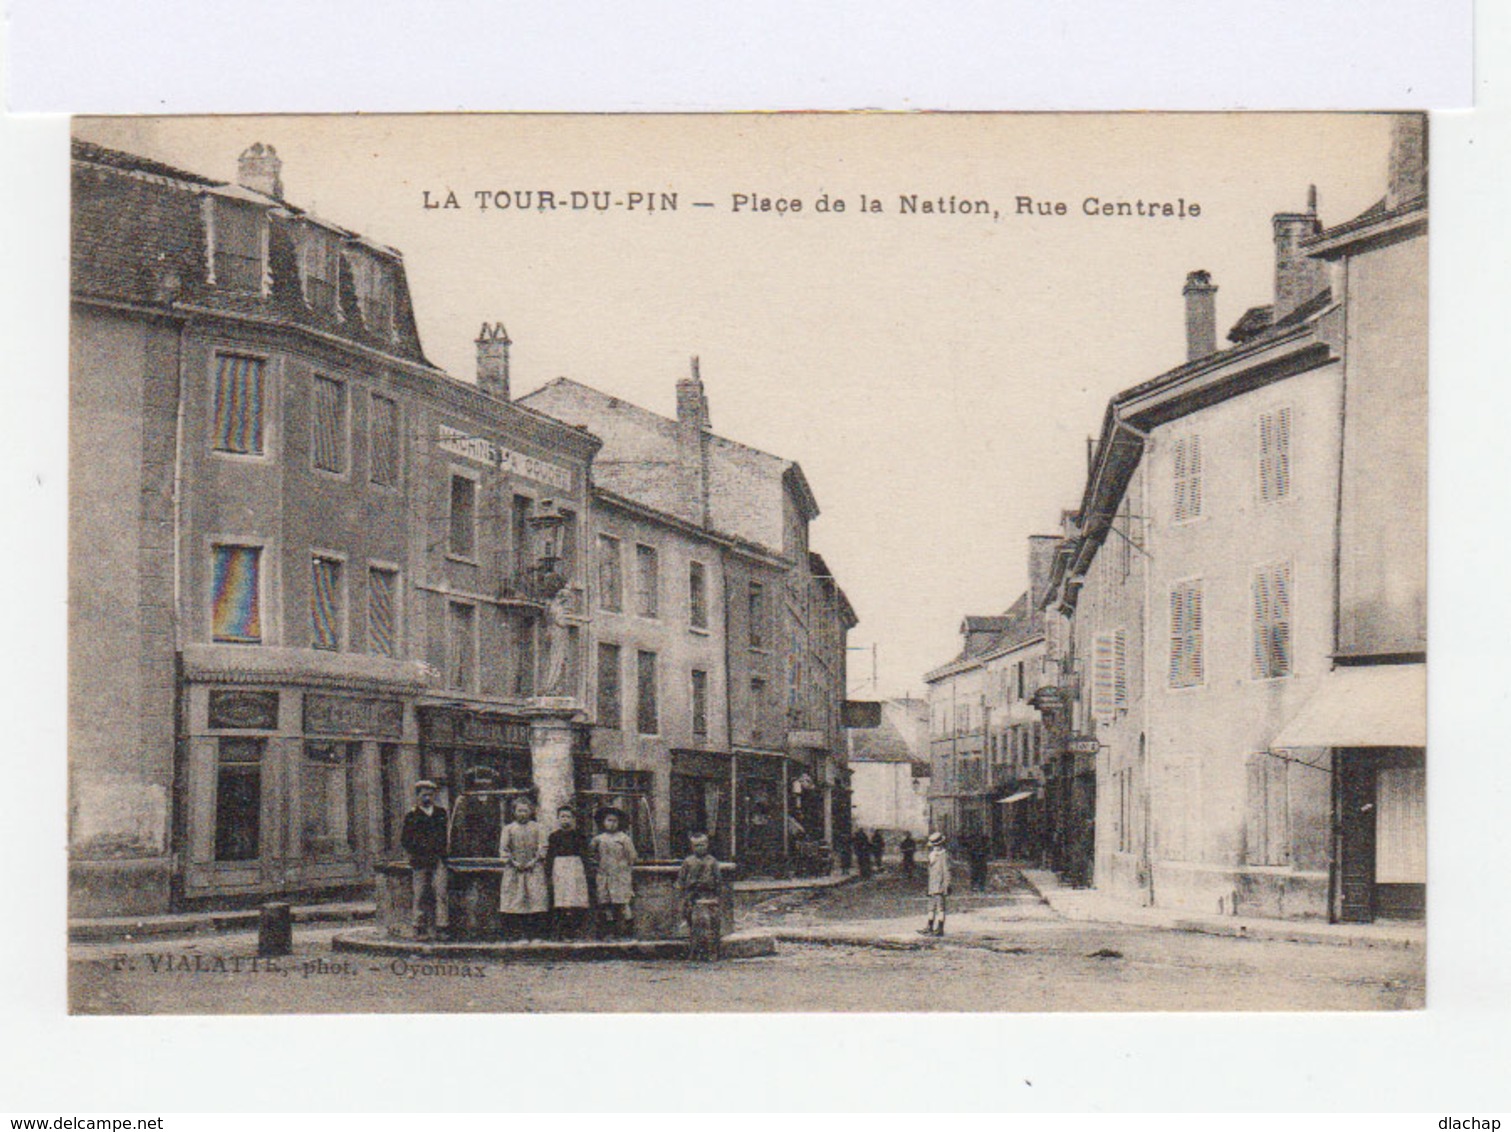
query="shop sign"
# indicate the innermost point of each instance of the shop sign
(484, 451)
(449, 727)
(353, 715)
(240, 709)
(1082, 745)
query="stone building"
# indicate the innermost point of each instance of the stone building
(889, 768)
(781, 781)
(306, 566)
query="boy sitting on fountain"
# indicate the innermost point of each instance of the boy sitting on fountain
(698, 884)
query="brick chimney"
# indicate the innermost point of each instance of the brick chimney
(1408, 159)
(1041, 558)
(1201, 315)
(493, 360)
(260, 169)
(1297, 275)
(693, 426)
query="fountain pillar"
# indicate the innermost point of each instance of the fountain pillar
(551, 753)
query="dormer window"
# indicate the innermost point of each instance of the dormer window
(319, 267)
(238, 235)
(373, 280)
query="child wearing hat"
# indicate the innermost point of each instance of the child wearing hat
(939, 884)
(423, 838)
(614, 860)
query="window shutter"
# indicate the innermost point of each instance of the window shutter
(1103, 676)
(1193, 492)
(1120, 669)
(1186, 652)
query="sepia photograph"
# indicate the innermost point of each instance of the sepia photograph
(825, 562)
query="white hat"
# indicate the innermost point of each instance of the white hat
(425, 784)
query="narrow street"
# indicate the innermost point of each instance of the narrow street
(1006, 951)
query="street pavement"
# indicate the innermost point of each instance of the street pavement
(854, 947)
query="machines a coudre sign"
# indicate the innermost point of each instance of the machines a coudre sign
(484, 451)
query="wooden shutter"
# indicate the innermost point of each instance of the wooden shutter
(1275, 454)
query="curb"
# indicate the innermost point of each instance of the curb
(241, 920)
(739, 945)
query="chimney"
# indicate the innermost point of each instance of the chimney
(1408, 159)
(493, 360)
(260, 169)
(1041, 557)
(692, 402)
(1201, 315)
(1298, 276)
(692, 452)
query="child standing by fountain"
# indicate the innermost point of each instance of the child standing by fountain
(523, 897)
(614, 857)
(698, 884)
(566, 850)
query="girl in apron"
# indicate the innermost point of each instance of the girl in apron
(566, 851)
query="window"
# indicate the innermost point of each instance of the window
(757, 709)
(1188, 470)
(647, 581)
(524, 655)
(757, 612)
(700, 702)
(463, 534)
(1267, 839)
(519, 535)
(238, 404)
(1109, 674)
(237, 235)
(236, 594)
(329, 803)
(461, 646)
(1275, 455)
(610, 575)
(646, 720)
(329, 442)
(610, 707)
(697, 595)
(1186, 660)
(1272, 621)
(325, 604)
(319, 267)
(386, 443)
(382, 611)
(374, 286)
(238, 799)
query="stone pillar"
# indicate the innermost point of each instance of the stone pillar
(551, 758)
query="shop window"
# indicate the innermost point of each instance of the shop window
(462, 539)
(386, 442)
(610, 575)
(238, 236)
(1275, 455)
(1272, 621)
(238, 404)
(461, 646)
(697, 595)
(236, 594)
(646, 719)
(1267, 825)
(700, 702)
(382, 611)
(238, 799)
(647, 581)
(1187, 459)
(329, 797)
(328, 446)
(1401, 845)
(325, 604)
(610, 707)
(1187, 659)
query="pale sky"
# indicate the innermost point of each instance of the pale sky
(935, 375)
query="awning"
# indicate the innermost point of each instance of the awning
(1018, 797)
(1377, 705)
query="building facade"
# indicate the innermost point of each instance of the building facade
(889, 767)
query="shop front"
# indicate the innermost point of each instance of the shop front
(760, 814)
(702, 801)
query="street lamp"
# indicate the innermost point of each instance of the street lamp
(547, 527)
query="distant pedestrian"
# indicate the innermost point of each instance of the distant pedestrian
(978, 852)
(698, 885)
(939, 885)
(846, 855)
(862, 845)
(614, 860)
(908, 848)
(566, 865)
(423, 838)
(878, 848)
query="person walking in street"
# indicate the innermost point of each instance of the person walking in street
(908, 848)
(878, 848)
(939, 885)
(423, 838)
(978, 853)
(524, 896)
(566, 866)
(614, 858)
(698, 886)
(862, 845)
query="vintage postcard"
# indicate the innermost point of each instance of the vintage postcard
(815, 562)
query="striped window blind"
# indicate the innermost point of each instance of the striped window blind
(382, 621)
(238, 404)
(325, 604)
(329, 445)
(236, 613)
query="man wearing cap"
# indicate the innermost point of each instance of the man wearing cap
(424, 839)
(939, 884)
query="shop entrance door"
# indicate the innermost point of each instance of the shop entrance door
(1355, 817)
